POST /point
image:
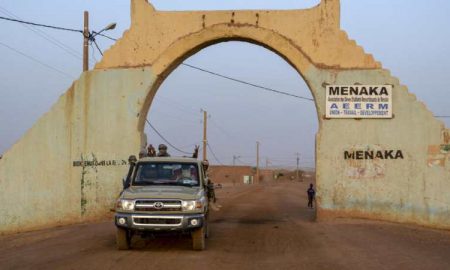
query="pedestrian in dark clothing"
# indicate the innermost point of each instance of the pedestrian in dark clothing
(311, 195)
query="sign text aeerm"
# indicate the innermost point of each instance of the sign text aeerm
(359, 101)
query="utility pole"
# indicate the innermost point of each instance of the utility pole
(88, 37)
(257, 162)
(86, 42)
(205, 141)
(298, 162)
(267, 163)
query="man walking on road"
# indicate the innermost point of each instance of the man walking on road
(311, 195)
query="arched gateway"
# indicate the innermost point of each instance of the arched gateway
(386, 158)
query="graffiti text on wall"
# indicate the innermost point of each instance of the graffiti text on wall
(95, 163)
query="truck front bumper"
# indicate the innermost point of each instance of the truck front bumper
(159, 222)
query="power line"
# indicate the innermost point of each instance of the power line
(37, 61)
(242, 162)
(191, 145)
(442, 116)
(46, 36)
(180, 106)
(51, 39)
(103, 35)
(214, 155)
(246, 83)
(96, 45)
(93, 52)
(184, 121)
(164, 139)
(42, 25)
(223, 131)
(68, 49)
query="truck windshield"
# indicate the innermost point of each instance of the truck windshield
(170, 173)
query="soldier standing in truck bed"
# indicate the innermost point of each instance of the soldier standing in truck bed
(151, 152)
(163, 151)
(143, 154)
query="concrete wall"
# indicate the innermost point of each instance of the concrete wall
(68, 166)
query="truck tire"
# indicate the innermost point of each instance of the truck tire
(123, 239)
(198, 238)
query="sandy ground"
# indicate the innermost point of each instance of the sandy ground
(258, 227)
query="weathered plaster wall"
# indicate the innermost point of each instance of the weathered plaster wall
(69, 166)
(41, 179)
(401, 190)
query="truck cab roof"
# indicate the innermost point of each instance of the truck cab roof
(169, 159)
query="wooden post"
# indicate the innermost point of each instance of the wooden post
(205, 141)
(257, 162)
(86, 42)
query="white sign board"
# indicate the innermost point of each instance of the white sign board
(359, 101)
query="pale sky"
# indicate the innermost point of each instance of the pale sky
(411, 38)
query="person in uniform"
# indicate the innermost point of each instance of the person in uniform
(211, 192)
(162, 148)
(195, 154)
(142, 154)
(151, 152)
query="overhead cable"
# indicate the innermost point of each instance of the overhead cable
(93, 52)
(37, 61)
(242, 162)
(164, 139)
(98, 48)
(42, 25)
(246, 83)
(214, 155)
(103, 35)
(46, 36)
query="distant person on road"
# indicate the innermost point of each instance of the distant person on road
(163, 151)
(311, 195)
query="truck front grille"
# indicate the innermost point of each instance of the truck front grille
(157, 220)
(158, 205)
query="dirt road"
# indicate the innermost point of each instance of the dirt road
(258, 227)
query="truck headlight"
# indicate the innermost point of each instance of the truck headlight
(127, 205)
(192, 205)
(188, 205)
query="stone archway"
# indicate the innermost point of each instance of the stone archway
(88, 134)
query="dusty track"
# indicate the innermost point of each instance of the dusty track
(258, 227)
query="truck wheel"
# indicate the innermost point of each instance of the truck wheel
(123, 239)
(198, 238)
